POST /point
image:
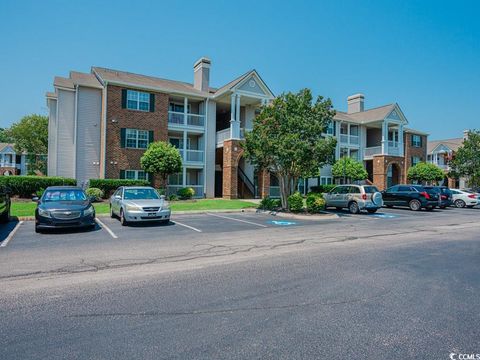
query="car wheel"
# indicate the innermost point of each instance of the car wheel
(459, 203)
(37, 229)
(372, 211)
(112, 215)
(123, 221)
(415, 205)
(353, 208)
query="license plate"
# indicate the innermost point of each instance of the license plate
(151, 214)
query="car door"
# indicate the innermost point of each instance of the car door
(334, 197)
(116, 201)
(404, 195)
(389, 196)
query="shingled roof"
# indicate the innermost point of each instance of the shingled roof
(452, 144)
(367, 116)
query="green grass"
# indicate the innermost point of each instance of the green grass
(25, 208)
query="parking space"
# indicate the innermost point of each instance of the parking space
(109, 231)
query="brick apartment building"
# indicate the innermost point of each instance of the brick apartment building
(101, 122)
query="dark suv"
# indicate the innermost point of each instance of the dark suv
(444, 193)
(4, 204)
(415, 197)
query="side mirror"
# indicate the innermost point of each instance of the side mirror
(35, 198)
(92, 199)
(162, 197)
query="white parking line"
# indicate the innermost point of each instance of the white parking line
(10, 236)
(243, 221)
(103, 226)
(187, 226)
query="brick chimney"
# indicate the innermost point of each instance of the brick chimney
(201, 74)
(355, 103)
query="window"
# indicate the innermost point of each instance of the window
(330, 128)
(415, 160)
(178, 107)
(404, 189)
(136, 139)
(416, 140)
(135, 175)
(343, 152)
(137, 100)
(326, 180)
(354, 190)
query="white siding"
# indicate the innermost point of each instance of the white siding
(89, 111)
(65, 134)
(52, 138)
(210, 151)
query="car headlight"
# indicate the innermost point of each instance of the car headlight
(88, 211)
(132, 208)
(165, 205)
(43, 213)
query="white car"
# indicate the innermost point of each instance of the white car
(462, 198)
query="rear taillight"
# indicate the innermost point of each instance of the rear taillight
(444, 197)
(364, 196)
(472, 196)
(425, 194)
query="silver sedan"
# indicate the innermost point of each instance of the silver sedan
(137, 204)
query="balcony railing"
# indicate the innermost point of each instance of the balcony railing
(192, 155)
(371, 151)
(349, 139)
(178, 118)
(222, 135)
(393, 148)
(8, 164)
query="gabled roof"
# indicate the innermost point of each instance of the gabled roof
(63, 82)
(367, 116)
(84, 79)
(143, 81)
(413, 131)
(235, 83)
(452, 144)
(3, 146)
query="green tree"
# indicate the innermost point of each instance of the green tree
(425, 173)
(350, 169)
(4, 137)
(287, 139)
(466, 161)
(162, 159)
(30, 135)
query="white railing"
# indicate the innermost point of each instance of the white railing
(8, 164)
(374, 150)
(274, 191)
(222, 135)
(178, 118)
(194, 156)
(173, 190)
(349, 139)
(393, 150)
(195, 120)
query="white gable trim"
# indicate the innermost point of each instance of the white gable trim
(258, 80)
(400, 114)
(8, 150)
(439, 145)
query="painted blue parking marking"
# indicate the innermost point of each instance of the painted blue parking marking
(282, 222)
(385, 216)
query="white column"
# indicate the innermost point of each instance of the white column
(384, 138)
(184, 175)
(235, 118)
(185, 110)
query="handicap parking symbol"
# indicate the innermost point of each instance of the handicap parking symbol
(282, 222)
(385, 216)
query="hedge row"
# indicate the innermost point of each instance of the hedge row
(108, 186)
(26, 186)
(322, 188)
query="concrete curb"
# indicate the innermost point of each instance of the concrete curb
(321, 216)
(193, 212)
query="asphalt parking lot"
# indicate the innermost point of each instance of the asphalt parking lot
(21, 234)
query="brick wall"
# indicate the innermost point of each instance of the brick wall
(232, 151)
(124, 118)
(410, 150)
(380, 170)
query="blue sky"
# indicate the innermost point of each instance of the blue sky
(425, 55)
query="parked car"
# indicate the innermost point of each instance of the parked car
(463, 198)
(445, 195)
(474, 191)
(415, 197)
(355, 198)
(139, 203)
(4, 204)
(64, 207)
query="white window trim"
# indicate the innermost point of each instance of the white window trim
(137, 93)
(136, 172)
(418, 143)
(137, 132)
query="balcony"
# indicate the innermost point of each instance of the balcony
(190, 120)
(9, 164)
(349, 139)
(393, 148)
(369, 152)
(193, 156)
(224, 134)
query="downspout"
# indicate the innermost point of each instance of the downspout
(104, 147)
(75, 134)
(206, 148)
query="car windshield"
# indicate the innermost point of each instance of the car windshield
(370, 189)
(64, 195)
(140, 194)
